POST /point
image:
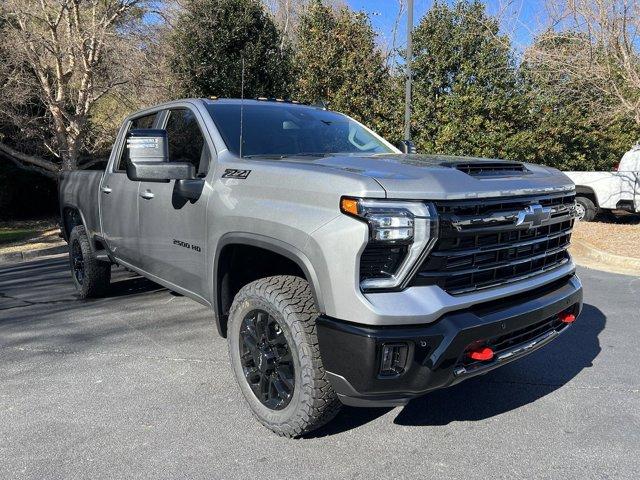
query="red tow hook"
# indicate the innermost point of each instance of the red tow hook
(481, 354)
(566, 317)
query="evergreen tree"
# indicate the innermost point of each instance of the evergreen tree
(337, 61)
(467, 99)
(212, 37)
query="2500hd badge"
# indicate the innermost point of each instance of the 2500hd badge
(180, 243)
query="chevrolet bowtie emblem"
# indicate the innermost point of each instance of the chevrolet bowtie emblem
(533, 215)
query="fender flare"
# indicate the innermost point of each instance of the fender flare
(268, 243)
(587, 191)
(65, 207)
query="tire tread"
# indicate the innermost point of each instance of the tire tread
(97, 274)
(292, 297)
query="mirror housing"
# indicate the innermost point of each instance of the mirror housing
(406, 146)
(149, 158)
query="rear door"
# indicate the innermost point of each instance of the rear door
(172, 228)
(119, 200)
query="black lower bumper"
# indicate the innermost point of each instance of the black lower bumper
(436, 353)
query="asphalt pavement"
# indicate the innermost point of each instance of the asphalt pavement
(137, 385)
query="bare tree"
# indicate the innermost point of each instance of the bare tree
(394, 31)
(593, 45)
(64, 56)
(287, 12)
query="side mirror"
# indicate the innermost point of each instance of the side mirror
(149, 158)
(406, 146)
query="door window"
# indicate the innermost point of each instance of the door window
(186, 142)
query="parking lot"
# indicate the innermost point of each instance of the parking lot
(138, 385)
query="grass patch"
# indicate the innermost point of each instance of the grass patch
(8, 235)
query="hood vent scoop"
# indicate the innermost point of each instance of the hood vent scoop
(491, 169)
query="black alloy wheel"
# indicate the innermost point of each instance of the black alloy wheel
(266, 360)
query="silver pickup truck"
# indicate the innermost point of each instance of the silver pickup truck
(340, 269)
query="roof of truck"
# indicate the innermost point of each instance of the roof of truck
(261, 101)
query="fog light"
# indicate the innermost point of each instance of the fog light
(394, 359)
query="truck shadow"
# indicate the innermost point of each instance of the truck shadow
(132, 285)
(48, 282)
(508, 388)
(621, 218)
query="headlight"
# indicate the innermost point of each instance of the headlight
(400, 234)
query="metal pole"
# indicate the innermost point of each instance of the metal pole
(407, 93)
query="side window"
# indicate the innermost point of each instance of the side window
(140, 122)
(186, 143)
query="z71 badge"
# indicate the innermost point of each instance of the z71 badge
(234, 173)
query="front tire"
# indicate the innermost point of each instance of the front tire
(586, 210)
(91, 277)
(275, 356)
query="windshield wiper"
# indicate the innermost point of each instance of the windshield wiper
(287, 155)
(307, 154)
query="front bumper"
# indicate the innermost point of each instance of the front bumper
(436, 358)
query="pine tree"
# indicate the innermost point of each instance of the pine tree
(467, 98)
(211, 39)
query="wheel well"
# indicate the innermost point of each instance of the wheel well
(588, 193)
(70, 218)
(240, 264)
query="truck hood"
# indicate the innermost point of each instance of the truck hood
(441, 177)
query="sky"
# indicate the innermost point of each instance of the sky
(521, 19)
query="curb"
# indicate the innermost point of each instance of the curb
(622, 264)
(16, 257)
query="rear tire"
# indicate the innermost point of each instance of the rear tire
(91, 277)
(282, 308)
(585, 209)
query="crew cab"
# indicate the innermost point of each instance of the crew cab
(340, 269)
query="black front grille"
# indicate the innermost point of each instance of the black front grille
(481, 169)
(480, 244)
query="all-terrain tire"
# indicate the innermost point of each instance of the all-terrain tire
(94, 279)
(588, 207)
(288, 301)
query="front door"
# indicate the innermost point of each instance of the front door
(172, 228)
(119, 201)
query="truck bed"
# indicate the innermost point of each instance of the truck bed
(80, 190)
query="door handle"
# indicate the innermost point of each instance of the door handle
(147, 194)
(106, 189)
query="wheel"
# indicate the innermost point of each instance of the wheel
(275, 356)
(585, 209)
(90, 276)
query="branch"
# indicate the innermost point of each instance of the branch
(20, 159)
(29, 168)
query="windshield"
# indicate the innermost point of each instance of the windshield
(288, 130)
